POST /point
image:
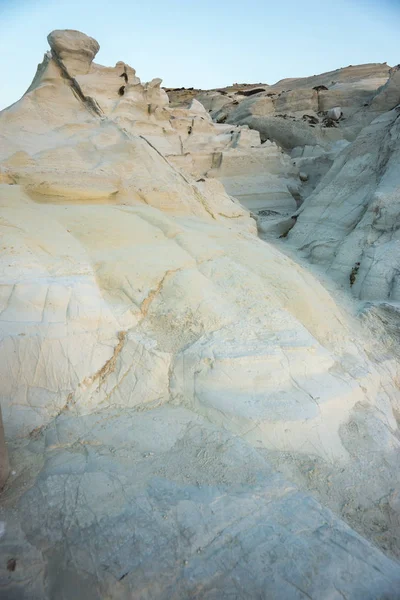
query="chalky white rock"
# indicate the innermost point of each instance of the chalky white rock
(159, 363)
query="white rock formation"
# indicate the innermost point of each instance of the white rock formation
(156, 357)
(292, 112)
(318, 112)
(335, 113)
(350, 223)
(74, 49)
(261, 177)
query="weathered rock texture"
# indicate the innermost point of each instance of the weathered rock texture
(162, 504)
(316, 115)
(157, 359)
(350, 224)
(342, 131)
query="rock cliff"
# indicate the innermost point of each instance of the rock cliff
(351, 220)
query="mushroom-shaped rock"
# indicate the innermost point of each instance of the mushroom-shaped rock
(75, 49)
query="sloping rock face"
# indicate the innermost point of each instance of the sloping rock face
(342, 131)
(350, 224)
(157, 359)
(164, 505)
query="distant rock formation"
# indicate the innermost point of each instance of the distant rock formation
(305, 112)
(353, 215)
(351, 123)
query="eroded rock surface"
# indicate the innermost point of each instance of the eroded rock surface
(349, 225)
(163, 504)
(75, 49)
(314, 117)
(160, 364)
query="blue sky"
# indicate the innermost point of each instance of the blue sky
(203, 43)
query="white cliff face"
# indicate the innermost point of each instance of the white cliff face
(349, 225)
(312, 117)
(157, 357)
(342, 131)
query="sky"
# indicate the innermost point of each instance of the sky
(203, 43)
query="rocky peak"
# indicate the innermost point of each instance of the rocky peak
(75, 49)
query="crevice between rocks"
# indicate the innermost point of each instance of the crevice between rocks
(90, 103)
